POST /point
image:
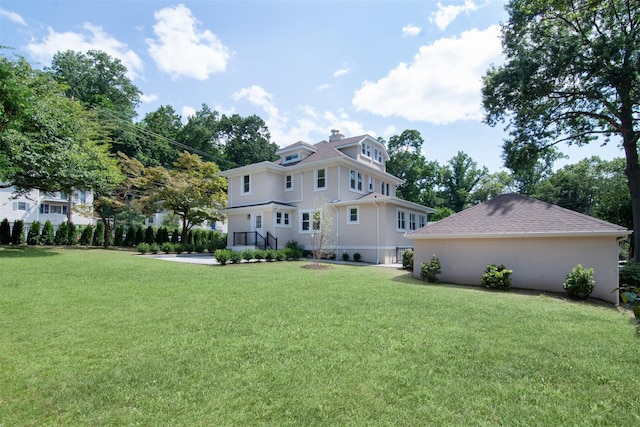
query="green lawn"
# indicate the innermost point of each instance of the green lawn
(94, 337)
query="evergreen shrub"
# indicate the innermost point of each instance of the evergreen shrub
(120, 239)
(430, 270)
(407, 259)
(149, 235)
(5, 232)
(17, 233)
(248, 254)
(167, 247)
(143, 247)
(139, 235)
(33, 236)
(72, 234)
(235, 257)
(154, 248)
(61, 234)
(48, 235)
(86, 238)
(222, 256)
(98, 235)
(345, 256)
(496, 277)
(357, 257)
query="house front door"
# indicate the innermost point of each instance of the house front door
(256, 223)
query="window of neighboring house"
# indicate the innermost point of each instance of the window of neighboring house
(353, 215)
(150, 220)
(310, 221)
(412, 221)
(422, 221)
(355, 180)
(83, 197)
(246, 184)
(64, 196)
(321, 179)
(20, 206)
(291, 158)
(53, 209)
(401, 220)
(282, 219)
(370, 184)
(288, 183)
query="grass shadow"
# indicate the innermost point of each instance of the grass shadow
(27, 251)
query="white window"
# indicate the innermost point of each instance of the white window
(382, 188)
(321, 179)
(291, 158)
(310, 221)
(355, 180)
(370, 184)
(377, 155)
(53, 209)
(387, 185)
(288, 183)
(353, 216)
(412, 221)
(282, 219)
(366, 150)
(246, 184)
(401, 220)
(422, 221)
(20, 206)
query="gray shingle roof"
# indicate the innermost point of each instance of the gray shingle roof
(515, 214)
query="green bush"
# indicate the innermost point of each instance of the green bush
(248, 254)
(235, 257)
(280, 255)
(143, 247)
(162, 236)
(496, 277)
(154, 248)
(579, 282)
(5, 232)
(294, 249)
(86, 238)
(430, 270)
(48, 235)
(33, 236)
(175, 236)
(345, 256)
(167, 247)
(178, 247)
(199, 247)
(260, 254)
(630, 290)
(222, 256)
(139, 236)
(407, 259)
(61, 234)
(149, 235)
(188, 247)
(98, 234)
(72, 234)
(17, 233)
(357, 257)
(120, 239)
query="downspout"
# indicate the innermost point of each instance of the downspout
(333, 205)
(377, 231)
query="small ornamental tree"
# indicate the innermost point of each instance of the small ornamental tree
(17, 233)
(33, 236)
(61, 234)
(48, 235)
(98, 235)
(579, 282)
(5, 232)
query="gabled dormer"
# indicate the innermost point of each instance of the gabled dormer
(364, 148)
(295, 153)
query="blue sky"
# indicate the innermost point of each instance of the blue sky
(305, 67)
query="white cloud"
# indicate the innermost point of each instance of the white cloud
(12, 16)
(411, 30)
(182, 49)
(148, 98)
(446, 14)
(442, 84)
(341, 72)
(94, 39)
(323, 87)
(187, 112)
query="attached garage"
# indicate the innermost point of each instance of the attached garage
(539, 241)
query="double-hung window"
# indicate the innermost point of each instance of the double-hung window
(321, 179)
(355, 180)
(282, 219)
(401, 220)
(246, 184)
(288, 183)
(412, 221)
(422, 221)
(310, 221)
(353, 215)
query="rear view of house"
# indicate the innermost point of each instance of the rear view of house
(344, 179)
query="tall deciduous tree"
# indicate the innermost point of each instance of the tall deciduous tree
(192, 190)
(158, 131)
(460, 176)
(572, 75)
(246, 140)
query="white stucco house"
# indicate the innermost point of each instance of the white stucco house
(271, 203)
(41, 206)
(539, 241)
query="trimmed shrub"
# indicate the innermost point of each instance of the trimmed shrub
(5, 232)
(17, 233)
(178, 247)
(120, 239)
(154, 248)
(345, 256)
(260, 254)
(86, 238)
(162, 235)
(357, 257)
(407, 260)
(295, 249)
(579, 282)
(199, 248)
(139, 236)
(248, 254)
(143, 247)
(33, 236)
(167, 247)
(222, 256)
(280, 255)
(61, 234)
(235, 257)
(72, 234)
(496, 277)
(269, 255)
(188, 247)
(149, 235)
(48, 235)
(430, 270)
(98, 235)
(175, 236)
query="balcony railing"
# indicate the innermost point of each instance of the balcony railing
(253, 238)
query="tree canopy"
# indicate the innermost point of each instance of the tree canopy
(572, 74)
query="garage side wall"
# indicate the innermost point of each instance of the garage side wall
(537, 263)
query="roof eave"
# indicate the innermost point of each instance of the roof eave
(417, 235)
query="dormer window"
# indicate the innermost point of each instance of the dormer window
(377, 155)
(291, 158)
(366, 150)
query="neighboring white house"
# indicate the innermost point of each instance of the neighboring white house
(159, 218)
(539, 241)
(41, 206)
(271, 202)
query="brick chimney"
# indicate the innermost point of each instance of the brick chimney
(335, 135)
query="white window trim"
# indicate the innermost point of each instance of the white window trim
(404, 220)
(357, 174)
(413, 223)
(243, 192)
(285, 182)
(349, 221)
(310, 212)
(291, 158)
(281, 224)
(422, 220)
(315, 181)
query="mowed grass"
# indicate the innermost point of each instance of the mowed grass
(94, 337)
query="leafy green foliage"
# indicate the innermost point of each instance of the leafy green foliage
(167, 247)
(17, 233)
(62, 233)
(496, 277)
(86, 237)
(149, 235)
(48, 235)
(5, 232)
(429, 270)
(120, 240)
(357, 257)
(154, 248)
(407, 259)
(98, 235)
(72, 234)
(222, 256)
(345, 256)
(248, 254)
(143, 247)
(579, 282)
(33, 236)
(460, 176)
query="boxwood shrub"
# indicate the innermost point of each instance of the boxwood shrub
(496, 277)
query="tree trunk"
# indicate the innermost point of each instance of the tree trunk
(185, 231)
(632, 172)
